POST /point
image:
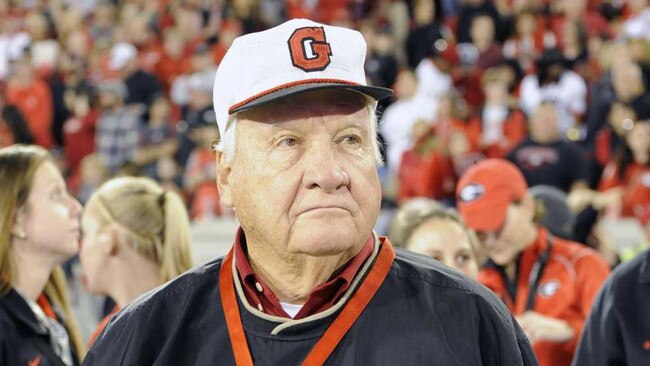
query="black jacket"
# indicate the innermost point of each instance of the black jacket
(618, 329)
(22, 341)
(423, 314)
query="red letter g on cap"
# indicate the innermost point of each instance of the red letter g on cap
(309, 49)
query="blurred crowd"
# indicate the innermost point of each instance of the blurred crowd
(559, 88)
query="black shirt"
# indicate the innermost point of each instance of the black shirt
(559, 164)
(617, 331)
(22, 340)
(423, 313)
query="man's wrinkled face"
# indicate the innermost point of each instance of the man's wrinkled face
(303, 177)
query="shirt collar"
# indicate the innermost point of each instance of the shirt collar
(322, 296)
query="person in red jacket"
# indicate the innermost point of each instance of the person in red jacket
(425, 171)
(34, 100)
(548, 283)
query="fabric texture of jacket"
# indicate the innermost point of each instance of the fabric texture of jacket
(422, 314)
(23, 342)
(618, 329)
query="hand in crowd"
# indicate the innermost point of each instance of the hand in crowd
(543, 328)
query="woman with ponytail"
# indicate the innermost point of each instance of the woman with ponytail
(39, 230)
(136, 237)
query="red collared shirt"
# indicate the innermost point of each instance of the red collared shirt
(321, 298)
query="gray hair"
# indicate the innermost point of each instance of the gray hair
(227, 142)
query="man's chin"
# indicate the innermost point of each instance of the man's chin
(325, 241)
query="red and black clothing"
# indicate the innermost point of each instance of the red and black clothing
(422, 313)
(567, 282)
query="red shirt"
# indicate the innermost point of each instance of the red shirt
(79, 138)
(35, 103)
(430, 175)
(321, 298)
(514, 130)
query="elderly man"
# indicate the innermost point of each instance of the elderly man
(307, 282)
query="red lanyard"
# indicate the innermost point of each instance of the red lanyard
(334, 333)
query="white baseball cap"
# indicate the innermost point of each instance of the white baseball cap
(294, 57)
(121, 54)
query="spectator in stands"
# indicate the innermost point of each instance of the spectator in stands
(200, 61)
(200, 177)
(13, 127)
(172, 62)
(548, 283)
(381, 64)
(140, 85)
(476, 57)
(602, 93)
(426, 31)
(459, 149)
(230, 29)
(39, 230)
(117, 138)
(157, 136)
(79, 130)
(425, 170)
(499, 125)
(611, 137)
(576, 11)
(69, 79)
(530, 38)
(629, 173)
(544, 158)
(93, 172)
(199, 113)
(469, 10)
(627, 80)
(33, 99)
(397, 121)
(554, 82)
(136, 237)
(574, 46)
(440, 233)
(104, 20)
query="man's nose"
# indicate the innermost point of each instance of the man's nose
(323, 168)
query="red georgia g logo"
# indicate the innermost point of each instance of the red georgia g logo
(309, 49)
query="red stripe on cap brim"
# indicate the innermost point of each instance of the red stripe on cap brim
(302, 86)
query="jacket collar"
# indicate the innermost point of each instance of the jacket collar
(18, 307)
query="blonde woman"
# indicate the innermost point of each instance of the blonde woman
(39, 230)
(136, 237)
(426, 227)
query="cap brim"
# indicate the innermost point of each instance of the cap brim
(374, 92)
(486, 217)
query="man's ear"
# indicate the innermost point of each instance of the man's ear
(528, 202)
(223, 178)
